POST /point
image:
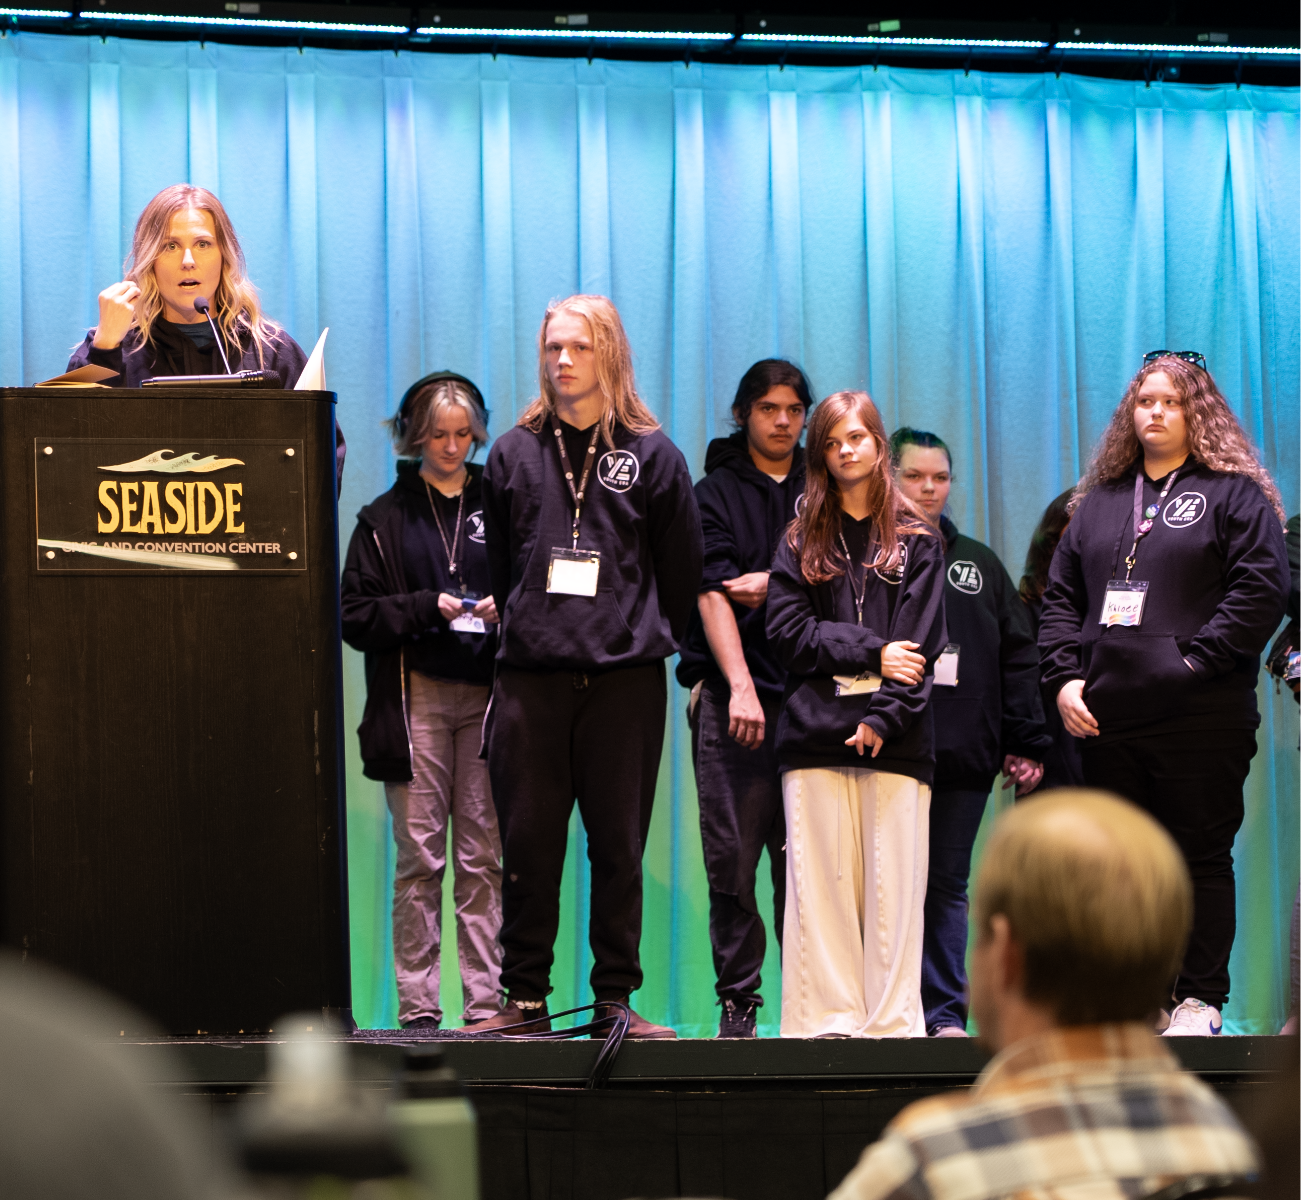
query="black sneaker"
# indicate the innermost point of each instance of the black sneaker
(422, 1025)
(738, 1019)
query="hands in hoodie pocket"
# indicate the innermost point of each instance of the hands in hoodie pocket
(1136, 676)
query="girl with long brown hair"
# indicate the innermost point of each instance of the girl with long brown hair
(1163, 591)
(185, 249)
(856, 616)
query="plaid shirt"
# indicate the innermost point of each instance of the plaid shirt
(1099, 1112)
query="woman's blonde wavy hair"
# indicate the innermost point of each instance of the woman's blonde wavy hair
(1215, 438)
(235, 308)
(623, 406)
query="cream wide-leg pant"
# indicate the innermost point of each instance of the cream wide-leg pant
(856, 853)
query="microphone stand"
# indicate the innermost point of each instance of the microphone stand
(201, 306)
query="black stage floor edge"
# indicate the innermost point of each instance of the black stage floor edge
(743, 1120)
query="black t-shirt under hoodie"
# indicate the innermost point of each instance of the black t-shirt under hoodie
(815, 633)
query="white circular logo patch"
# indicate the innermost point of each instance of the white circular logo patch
(1184, 510)
(965, 576)
(799, 503)
(474, 526)
(618, 470)
(895, 576)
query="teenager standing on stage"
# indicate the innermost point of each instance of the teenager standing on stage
(595, 551)
(1165, 588)
(417, 601)
(856, 615)
(753, 482)
(988, 718)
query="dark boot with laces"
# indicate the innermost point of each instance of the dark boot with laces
(738, 1019)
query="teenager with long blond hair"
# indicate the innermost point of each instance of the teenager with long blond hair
(185, 248)
(594, 549)
(856, 616)
(1162, 593)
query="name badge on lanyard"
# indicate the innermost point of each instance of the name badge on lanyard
(468, 623)
(946, 666)
(857, 685)
(1123, 602)
(573, 572)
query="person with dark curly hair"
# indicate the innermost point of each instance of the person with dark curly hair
(1164, 590)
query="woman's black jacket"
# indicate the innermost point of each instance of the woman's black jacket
(381, 617)
(814, 632)
(1217, 578)
(173, 353)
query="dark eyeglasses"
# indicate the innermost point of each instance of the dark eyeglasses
(1191, 356)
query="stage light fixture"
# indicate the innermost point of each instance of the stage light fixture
(586, 34)
(240, 23)
(836, 39)
(1161, 48)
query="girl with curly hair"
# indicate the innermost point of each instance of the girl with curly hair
(856, 616)
(1164, 589)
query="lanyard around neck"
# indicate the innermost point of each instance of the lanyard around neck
(577, 493)
(860, 598)
(1144, 519)
(451, 546)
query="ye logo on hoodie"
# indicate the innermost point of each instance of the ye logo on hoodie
(1184, 510)
(965, 576)
(618, 470)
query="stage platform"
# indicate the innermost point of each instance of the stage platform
(745, 1120)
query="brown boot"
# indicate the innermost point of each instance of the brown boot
(641, 1029)
(512, 1014)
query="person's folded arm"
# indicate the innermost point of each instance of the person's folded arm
(373, 616)
(918, 617)
(804, 644)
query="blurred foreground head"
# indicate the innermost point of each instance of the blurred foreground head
(1093, 899)
(78, 1119)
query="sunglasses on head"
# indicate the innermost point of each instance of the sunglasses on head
(1190, 356)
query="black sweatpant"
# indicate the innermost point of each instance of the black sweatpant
(740, 794)
(553, 737)
(1192, 784)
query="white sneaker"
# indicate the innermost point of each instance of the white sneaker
(1192, 1018)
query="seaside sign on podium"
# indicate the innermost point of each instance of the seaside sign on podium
(170, 720)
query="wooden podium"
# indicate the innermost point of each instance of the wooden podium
(171, 768)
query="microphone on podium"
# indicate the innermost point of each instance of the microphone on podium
(201, 306)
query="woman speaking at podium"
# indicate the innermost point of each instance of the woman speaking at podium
(185, 249)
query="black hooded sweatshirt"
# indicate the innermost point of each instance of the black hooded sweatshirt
(639, 513)
(743, 515)
(173, 353)
(996, 709)
(390, 608)
(1217, 577)
(815, 635)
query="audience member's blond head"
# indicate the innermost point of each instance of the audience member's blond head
(1097, 894)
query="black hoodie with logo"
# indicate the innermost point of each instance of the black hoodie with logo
(639, 514)
(390, 608)
(743, 515)
(1217, 577)
(995, 710)
(816, 636)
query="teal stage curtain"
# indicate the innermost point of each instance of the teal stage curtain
(989, 255)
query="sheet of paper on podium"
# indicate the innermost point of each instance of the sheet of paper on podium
(313, 377)
(88, 376)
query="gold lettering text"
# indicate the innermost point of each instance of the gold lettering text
(172, 494)
(129, 506)
(106, 490)
(205, 525)
(189, 506)
(151, 517)
(232, 507)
